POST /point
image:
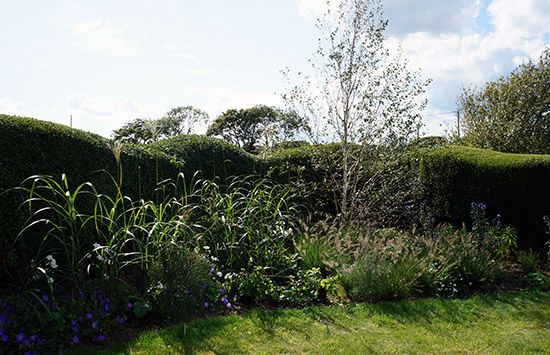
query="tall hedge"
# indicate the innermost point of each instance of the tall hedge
(516, 186)
(213, 157)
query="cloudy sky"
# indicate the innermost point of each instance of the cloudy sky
(108, 61)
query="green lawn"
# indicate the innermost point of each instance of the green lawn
(484, 324)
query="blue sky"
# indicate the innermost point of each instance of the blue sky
(106, 62)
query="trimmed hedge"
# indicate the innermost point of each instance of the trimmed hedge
(516, 186)
(213, 157)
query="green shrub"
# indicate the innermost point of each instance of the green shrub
(513, 185)
(180, 281)
(529, 260)
(213, 157)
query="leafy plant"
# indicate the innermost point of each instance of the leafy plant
(529, 260)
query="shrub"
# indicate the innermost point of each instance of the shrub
(514, 185)
(529, 260)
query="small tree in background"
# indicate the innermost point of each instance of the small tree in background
(512, 113)
(257, 127)
(361, 96)
(179, 120)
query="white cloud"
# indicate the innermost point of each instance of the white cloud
(185, 55)
(88, 112)
(223, 99)
(433, 16)
(200, 71)
(104, 37)
(525, 19)
(9, 108)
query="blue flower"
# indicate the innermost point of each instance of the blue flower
(75, 340)
(75, 329)
(26, 342)
(121, 320)
(4, 338)
(20, 337)
(473, 204)
(94, 324)
(222, 290)
(100, 337)
(74, 322)
(88, 315)
(34, 337)
(206, 305)
(1, 331)
(130, 305)
(45, 298)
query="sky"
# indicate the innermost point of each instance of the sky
(105, 62)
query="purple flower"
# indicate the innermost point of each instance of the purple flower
(100, 337)
(102, 313)
(4, 338)
(224, 300)
(108, 300)
(222, 290)
(34, 337)
(74, 322)
(121, 320)
(94, 324)
(39, 341)
(106, 307)
(98, 291)
(54, 306)
(206, 305)
(20, 337)
(89, 315)
(229, 305)
(80, 318)
(26, 342)
(75, 329)
(75, 340)
(94, 339)
(129, 305)
(45, 298)
(1, 331)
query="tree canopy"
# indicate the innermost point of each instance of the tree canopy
(255, 127)
(179, 120)
(512, 113)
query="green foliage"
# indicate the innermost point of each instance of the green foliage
(213, 157)
(510, 113)
(177, 121)
(512, 185)
(260, 125)
(180, 281)
(537, 281)
(529, 260)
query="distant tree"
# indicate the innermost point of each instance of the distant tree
(137, 131)
(181, 120)
(510, 114)
(259, 126)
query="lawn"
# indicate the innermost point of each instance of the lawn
(484, 324)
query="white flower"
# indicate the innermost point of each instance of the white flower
(53, 264)
(100, 257)
(97, 246)
(49, 257)
(219, 274)
(50, 280)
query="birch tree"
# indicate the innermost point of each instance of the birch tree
(361, 95)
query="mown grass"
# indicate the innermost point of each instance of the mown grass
(484, 324)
